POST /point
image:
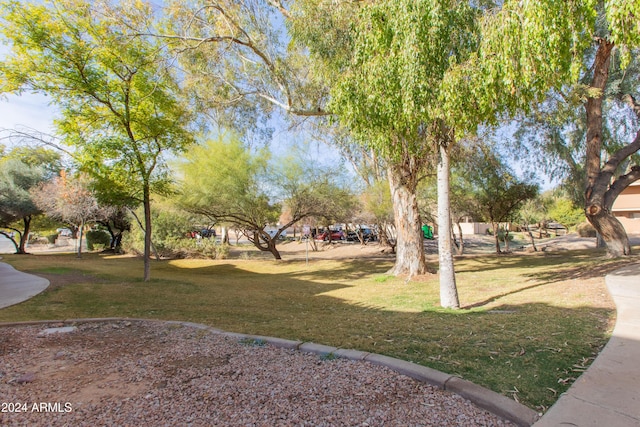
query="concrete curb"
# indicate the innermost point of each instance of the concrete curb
(480, 396)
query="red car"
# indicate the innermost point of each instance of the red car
(335, 235)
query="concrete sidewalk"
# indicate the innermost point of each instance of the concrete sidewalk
(16, 286)
(608, 393)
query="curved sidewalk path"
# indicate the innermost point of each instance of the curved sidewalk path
(16, 286)
(608, 393)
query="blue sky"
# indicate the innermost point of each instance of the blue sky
(28, 110)
(25, 111)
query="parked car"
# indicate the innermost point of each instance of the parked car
(273, 232)
(208, 232)
(65, 232)
(368, 235)
(335, 235)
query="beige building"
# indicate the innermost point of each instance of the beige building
(627, 208)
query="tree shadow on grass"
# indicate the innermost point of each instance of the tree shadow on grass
(561, 274)
(493, 298)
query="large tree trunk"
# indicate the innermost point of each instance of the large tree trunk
(80, 234)
(448, 289)
(403, 180)
(461, 244)
(496, 236)
(533, 240)
(24, 237)
(274, 251)
(266, 243)
(602, 189)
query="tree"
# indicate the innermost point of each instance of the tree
(116, 220)
(389, 92)
(565, 212)
(68, 199)
(117, 93)
(498, 193)
(531, 48)
(378, 206)
(227, 183)
(533, 211)
(238, 56)
(16, 204)
(21, 169)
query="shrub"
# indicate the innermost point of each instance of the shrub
(97, 239)
(585, 229)
(170, 227)
(180, 247)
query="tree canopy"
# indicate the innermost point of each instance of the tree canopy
(117, 92)
(226, 182)
(497, 192)
(22, 169)
(531, 48)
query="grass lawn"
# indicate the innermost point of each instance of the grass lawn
(529, 326)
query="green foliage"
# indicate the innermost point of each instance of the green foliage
(536, 59)
(622, 16)
(121, 106)
(566, 212)
(48, 159)
(97, 239)
(498, 193)
(377, 201)
(225, 181)
(168, 224)
(390, 94)
(16, 180)
(171, 239)
(528, 48)
(503, 236)
(21, 169)
(533, 211)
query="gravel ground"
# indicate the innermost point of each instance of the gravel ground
(154, 374)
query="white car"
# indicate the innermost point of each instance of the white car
(272, 233)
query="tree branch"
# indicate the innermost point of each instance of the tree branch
(620, 184)
(631, 102)
(619, 156)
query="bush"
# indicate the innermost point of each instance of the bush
(179, 247)
(97, 239)
(183, 248)
(51, 238)
(502, 233)
(170, 227)
(585, 229)
(195, 248)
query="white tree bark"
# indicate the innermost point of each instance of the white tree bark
(448, 289)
